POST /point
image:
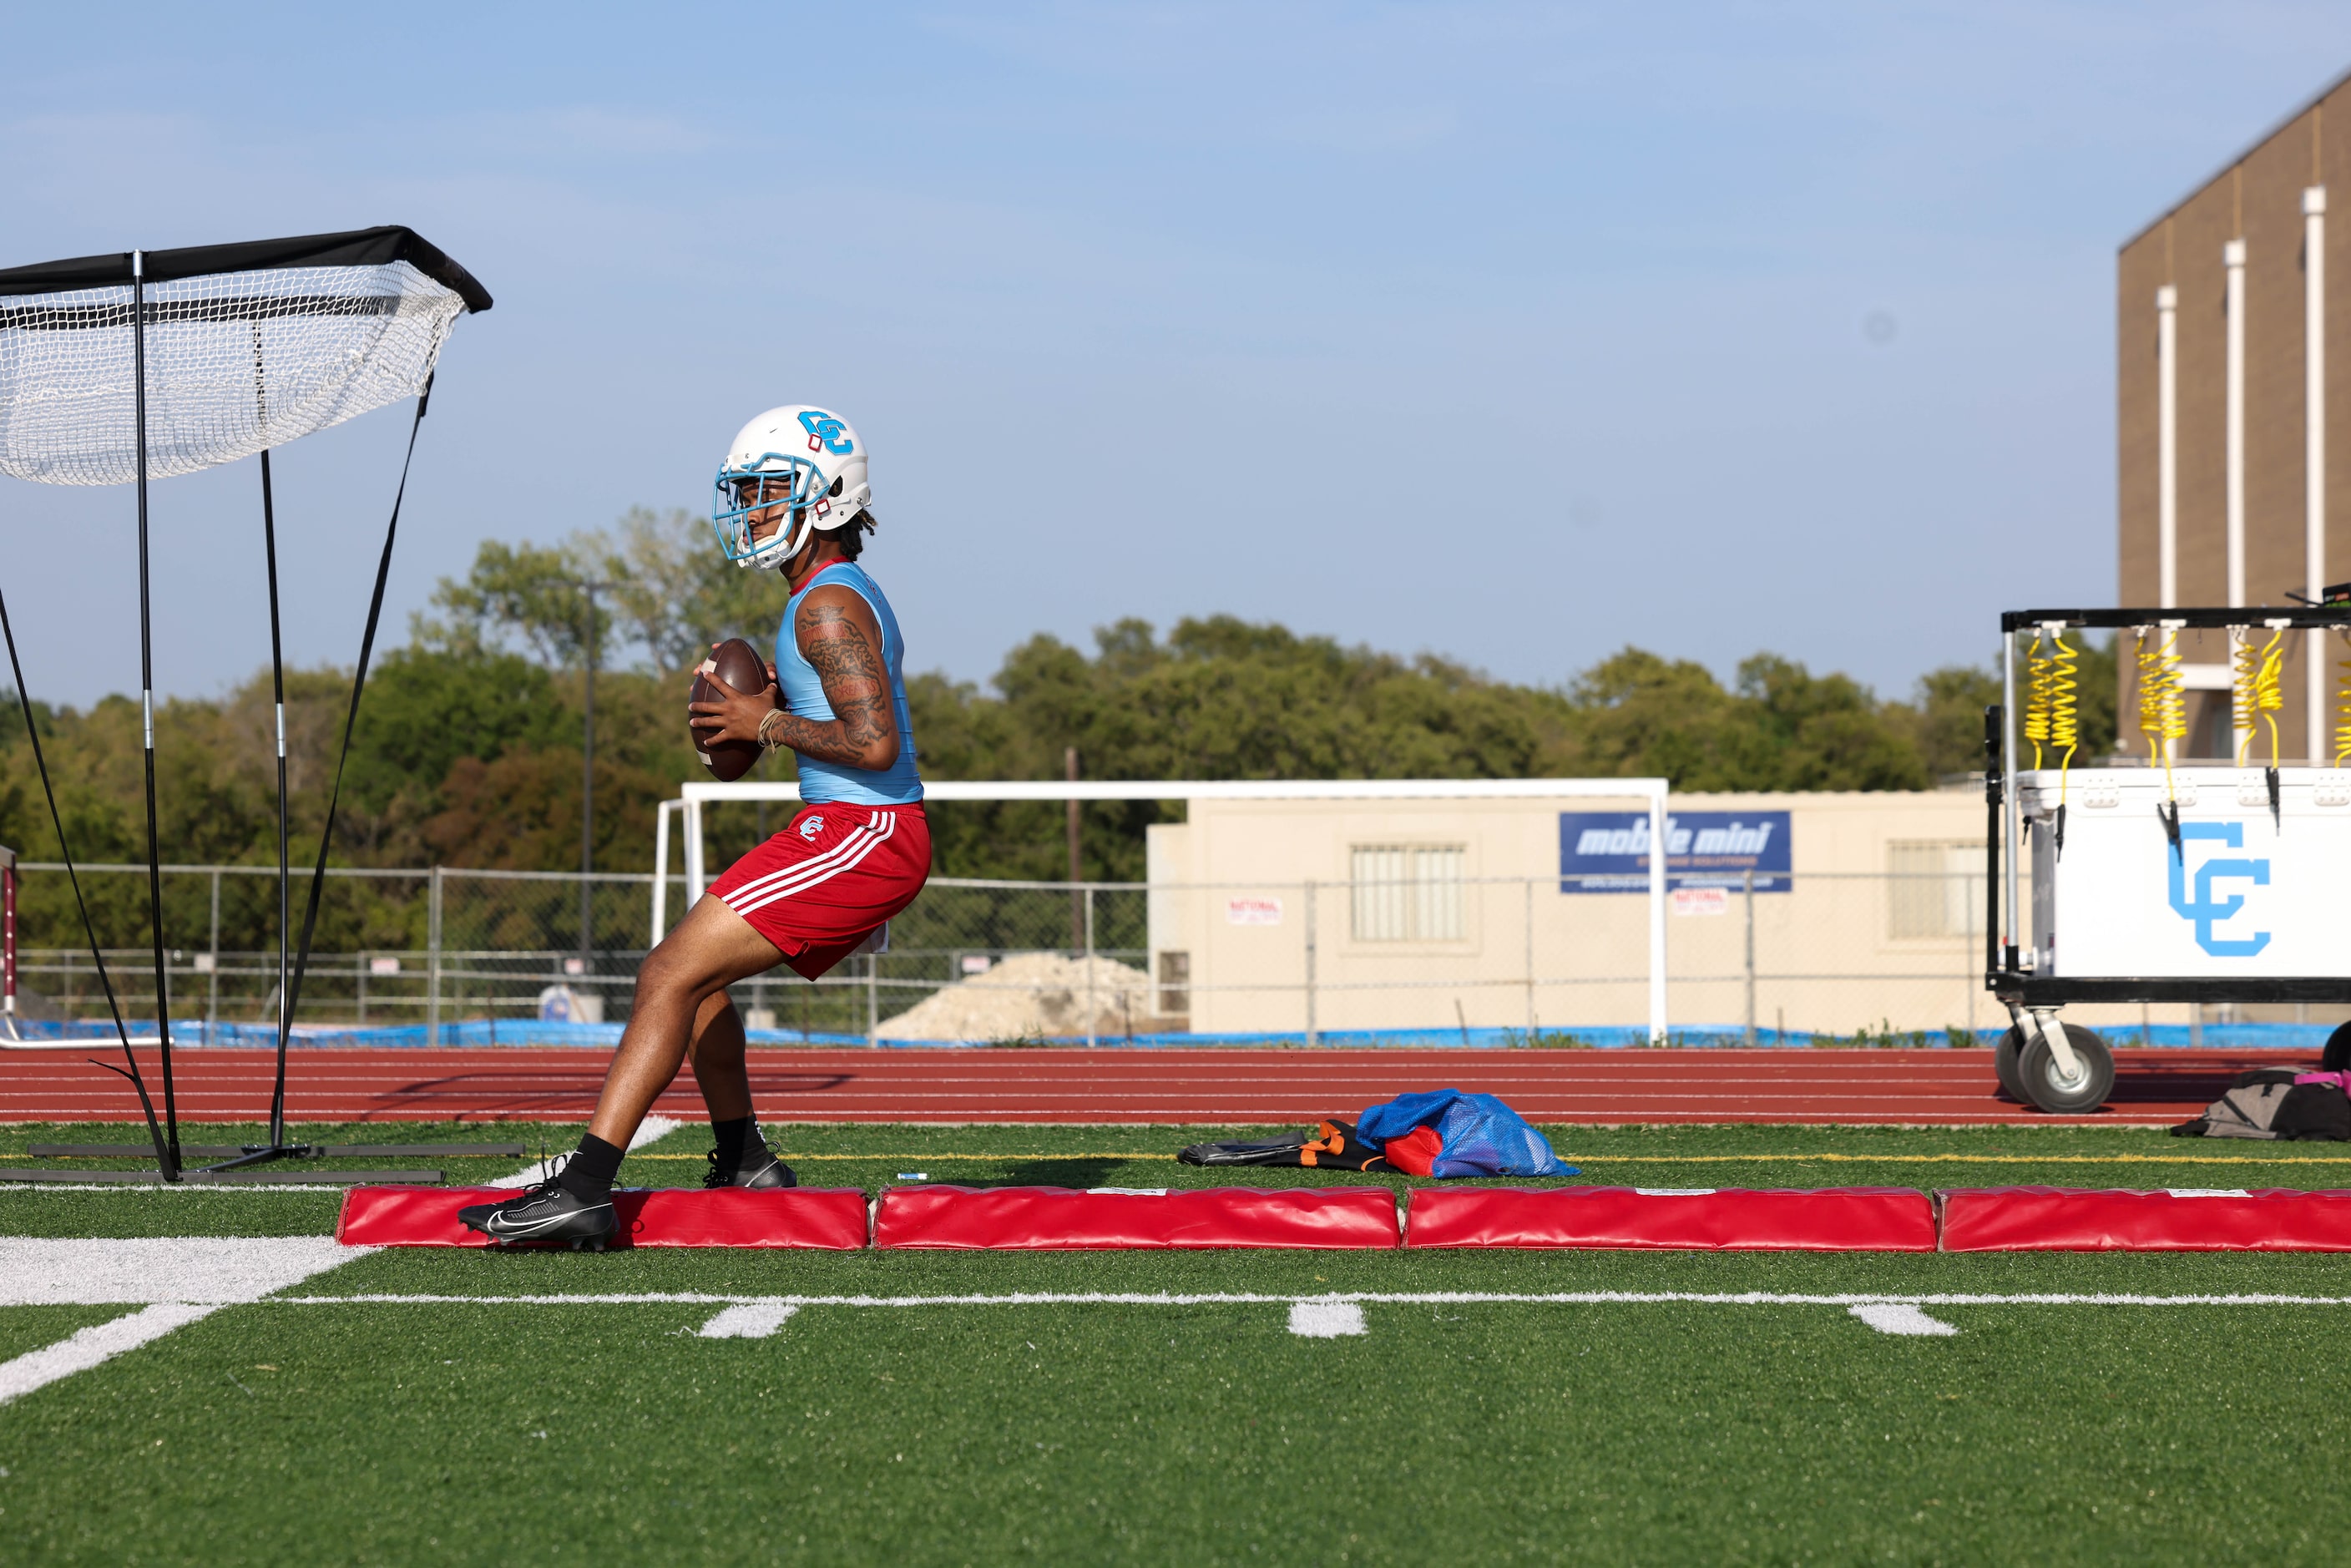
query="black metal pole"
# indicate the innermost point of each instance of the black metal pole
(284, 874)
(1992, 905)
(147, 703)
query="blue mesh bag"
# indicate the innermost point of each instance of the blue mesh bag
(1481, 1137)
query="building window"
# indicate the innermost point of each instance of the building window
(1175, 984)
(1408, 892)
(1935, 888)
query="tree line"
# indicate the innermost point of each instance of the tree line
(469, 749)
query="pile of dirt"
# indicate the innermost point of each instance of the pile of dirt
(1030, 995)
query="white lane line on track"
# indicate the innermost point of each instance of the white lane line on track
(652, 1129)
(1326, 1320)
(749, 1320)
(1401, 1298)
(99, 1342)
(1900, 1318)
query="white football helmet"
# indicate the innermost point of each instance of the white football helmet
(796, 455)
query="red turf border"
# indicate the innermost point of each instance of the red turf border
(2075, 1219)
(1891, 1219)
(1056, 1218)
(1833, 1219)
(830, 1218)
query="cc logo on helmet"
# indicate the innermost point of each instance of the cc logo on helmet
(826, 434)
(810, 829)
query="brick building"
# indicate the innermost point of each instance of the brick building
(2233, 335)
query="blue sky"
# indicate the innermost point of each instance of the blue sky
(1515, 333)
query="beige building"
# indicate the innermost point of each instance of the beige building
(2232, 323)
(1393, 915)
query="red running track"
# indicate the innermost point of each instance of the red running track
(1939, 1088)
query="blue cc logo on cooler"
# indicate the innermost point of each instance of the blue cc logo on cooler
(826, 432)
(2204, 910)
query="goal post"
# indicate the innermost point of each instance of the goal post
(684, 814)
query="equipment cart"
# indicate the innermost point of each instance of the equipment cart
(2159, 881)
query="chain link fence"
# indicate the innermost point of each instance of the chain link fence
(442, 954)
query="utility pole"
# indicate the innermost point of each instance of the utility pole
(587, 782)
(1077, 898)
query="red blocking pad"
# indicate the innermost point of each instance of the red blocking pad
(1836, 1219)
(649, 1217)
(2180, 1219)
(1053, 1217)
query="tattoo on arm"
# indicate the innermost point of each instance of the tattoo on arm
(855, 685)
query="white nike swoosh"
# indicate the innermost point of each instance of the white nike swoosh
(496, 1224)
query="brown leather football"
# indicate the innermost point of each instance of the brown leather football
(740, 666)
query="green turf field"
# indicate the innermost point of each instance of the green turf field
(334, 1423)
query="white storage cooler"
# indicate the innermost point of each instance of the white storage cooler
(2247, 897)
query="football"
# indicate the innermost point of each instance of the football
(740, 666)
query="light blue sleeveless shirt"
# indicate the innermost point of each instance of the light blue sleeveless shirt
(821, 781)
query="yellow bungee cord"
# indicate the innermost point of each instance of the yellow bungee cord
(2162, 713)
(2051, 717)
(2257, 681)
(2343, 702)
(2258, 684)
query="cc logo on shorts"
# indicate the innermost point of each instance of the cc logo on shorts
(810, 828)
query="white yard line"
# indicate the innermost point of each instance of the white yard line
(101, 1341)
(1900, 1318)
(1398, 1298)
(749, 1320)
(651, 1131)
(49, 1272)
(175, 1279)
(1326, 1320)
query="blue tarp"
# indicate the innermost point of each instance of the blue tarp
(1482, 1136)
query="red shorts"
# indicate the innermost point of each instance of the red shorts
(830, 880)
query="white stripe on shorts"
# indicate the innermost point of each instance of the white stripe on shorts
(776, 887)
(855, 840)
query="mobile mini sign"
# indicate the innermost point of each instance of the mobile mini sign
(1608, 851)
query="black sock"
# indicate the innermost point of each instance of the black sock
(589, 1173)
(734, 1138)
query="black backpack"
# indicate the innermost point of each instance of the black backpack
(2268, 1103)
(1332, 1146)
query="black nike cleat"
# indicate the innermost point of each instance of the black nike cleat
(760, 1168)
(547, 1214)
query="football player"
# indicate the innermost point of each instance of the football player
(792, 496)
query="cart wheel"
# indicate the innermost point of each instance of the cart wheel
(2003, 1063)
(2036, 1070)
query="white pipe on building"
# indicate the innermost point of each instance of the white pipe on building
(2167, 446)
(2233, 256)
(2313, 446)
(1660, 827)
